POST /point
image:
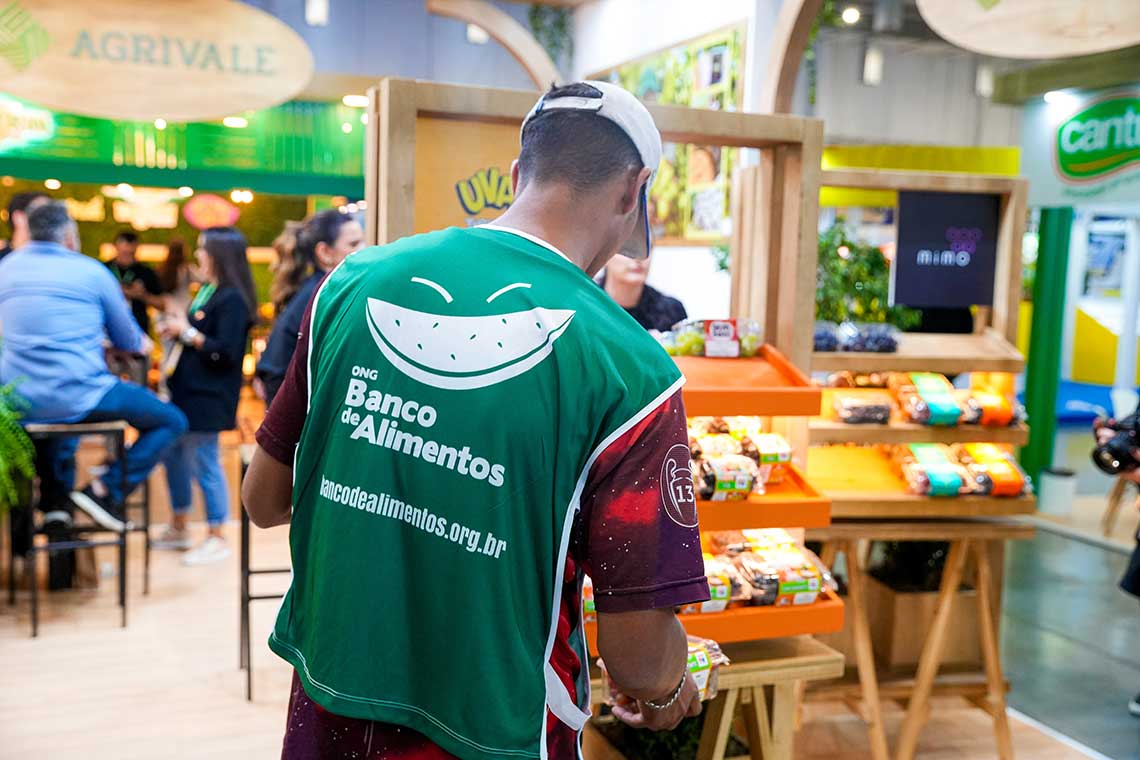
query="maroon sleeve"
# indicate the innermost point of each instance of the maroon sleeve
(280, 431)
(637, 530)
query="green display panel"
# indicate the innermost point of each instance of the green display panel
(297, 147)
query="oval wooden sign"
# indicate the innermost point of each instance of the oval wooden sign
(180, 60)
(1035, 28)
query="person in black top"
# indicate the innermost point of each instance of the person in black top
(624, 281)
(305, 252)
(205, 384)
(140, 283)
(18, 207)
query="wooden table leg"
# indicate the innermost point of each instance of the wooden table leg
(932, 651)
(718, 725)
(864, 654)
(770, 722)
(991, 655)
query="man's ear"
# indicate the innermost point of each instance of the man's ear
(515, 177)
(632, 194)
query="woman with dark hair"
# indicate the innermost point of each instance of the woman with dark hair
(305, 253)
(174, 277)
(205, 384)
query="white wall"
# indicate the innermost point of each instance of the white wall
(690, 275)
(926, 96)
(400, 38)
(609, 32)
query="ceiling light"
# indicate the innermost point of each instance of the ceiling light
(984, 80)
(317, 12)
(124, 190)
(851, 15)
(477, 35)
(355, 101)
(160, 123)
(235, 122)
(1060, 98)
(873, 65)
(52, 184)
(363, 118)
(185, 191)
(346, 127)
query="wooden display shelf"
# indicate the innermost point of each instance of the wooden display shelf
(929, 352)
(767, 385)
(828, 429)
(755, 623)
(862, 482)
(794, 503)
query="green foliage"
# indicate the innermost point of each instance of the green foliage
(720, 254)
(551, 27)
(17, 454)
(827, 16)
(854, 282)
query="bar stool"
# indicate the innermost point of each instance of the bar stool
(247, 597)
(115, 432)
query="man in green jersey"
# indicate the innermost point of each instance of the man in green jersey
(469, 426)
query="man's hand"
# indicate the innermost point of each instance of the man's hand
(135, 290)
(639, 714)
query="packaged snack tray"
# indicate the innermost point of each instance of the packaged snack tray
(867, 408)
(704, 663)
(868, 337)
(826, 337)
(725, 338)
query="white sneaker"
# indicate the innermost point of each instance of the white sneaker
(213, 549)
(172, 538)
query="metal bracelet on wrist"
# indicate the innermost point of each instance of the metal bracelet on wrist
(189, 335)
(672, 699)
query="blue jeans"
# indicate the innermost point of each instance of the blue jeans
(195, 456)
(159, 425)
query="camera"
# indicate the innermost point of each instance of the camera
(1115, 455)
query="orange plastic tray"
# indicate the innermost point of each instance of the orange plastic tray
(767, 385)
(794, 503)
(753, 623)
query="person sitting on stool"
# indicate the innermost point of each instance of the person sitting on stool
(57, 307)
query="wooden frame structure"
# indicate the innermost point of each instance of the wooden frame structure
(783, 230)
(992, 347)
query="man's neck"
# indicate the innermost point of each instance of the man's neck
(549, 214)
(628, 295)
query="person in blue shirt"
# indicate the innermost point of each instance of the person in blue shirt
(57, 309)
(305, 253)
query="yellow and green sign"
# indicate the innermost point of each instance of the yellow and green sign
(1099, 140)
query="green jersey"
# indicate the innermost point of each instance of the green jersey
(461, 384)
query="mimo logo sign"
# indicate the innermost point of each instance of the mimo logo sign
(22, 38)
(1099, 140)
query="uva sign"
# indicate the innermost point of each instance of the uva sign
(1099, 140)
(180, 60)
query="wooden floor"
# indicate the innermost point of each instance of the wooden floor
(169, 687)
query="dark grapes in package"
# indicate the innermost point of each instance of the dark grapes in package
(826, 336)
(868, 337)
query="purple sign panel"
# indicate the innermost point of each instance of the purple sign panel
(947, 248)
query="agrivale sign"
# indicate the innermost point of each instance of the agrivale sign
(179, 60)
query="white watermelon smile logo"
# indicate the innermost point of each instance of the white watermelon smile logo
(461, 353)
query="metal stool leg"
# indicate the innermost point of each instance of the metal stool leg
(122, 451)
(30, 571)
(146, 536)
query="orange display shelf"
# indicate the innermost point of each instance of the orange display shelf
(827, 428)
(766, 385)
(862, 482)
(752, 623)
(792, 503)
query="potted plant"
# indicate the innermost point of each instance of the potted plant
(854, 282)
(17, 454)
